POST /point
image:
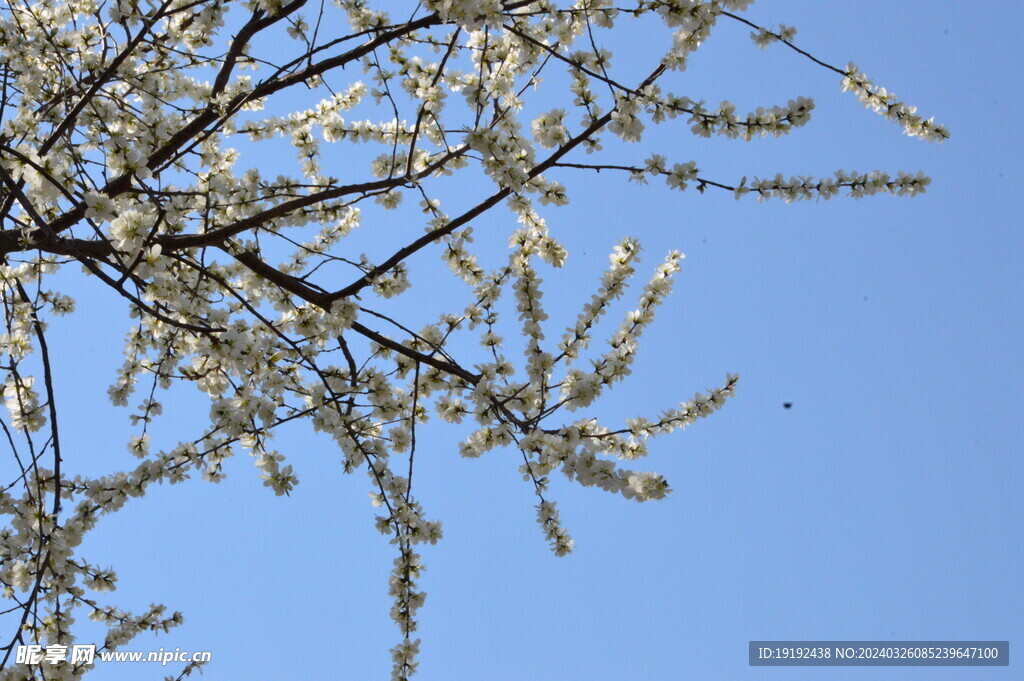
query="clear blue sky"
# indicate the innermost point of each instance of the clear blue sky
(885, 504)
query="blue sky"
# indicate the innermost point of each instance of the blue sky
(884, 505)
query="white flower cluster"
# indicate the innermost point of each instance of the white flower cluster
(470, 14)
(549, 129)
(694, 20)
(763, 37)
(23, 403)
(883, 102)
(762, 122)
(857, 185)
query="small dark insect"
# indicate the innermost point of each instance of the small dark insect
(787, 405)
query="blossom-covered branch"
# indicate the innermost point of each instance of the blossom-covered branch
(140, 141)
